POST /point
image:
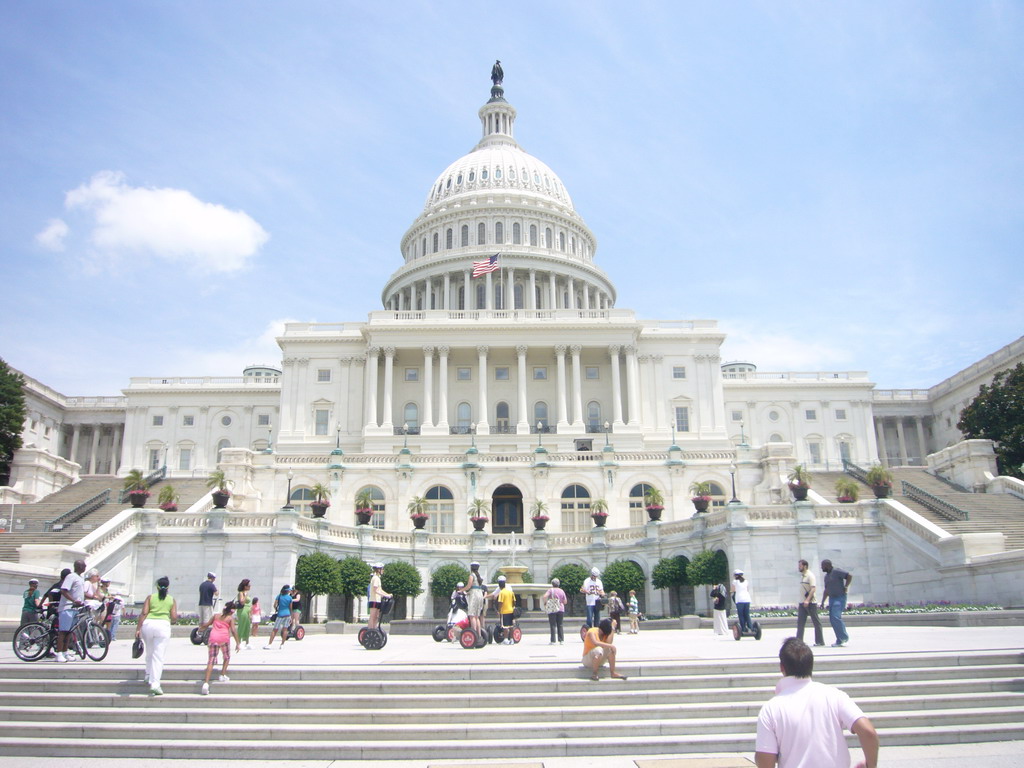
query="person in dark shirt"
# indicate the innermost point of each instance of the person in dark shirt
(52, 596)
(837, 584)
(207, 593)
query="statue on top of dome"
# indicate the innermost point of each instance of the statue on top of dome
(497, 73)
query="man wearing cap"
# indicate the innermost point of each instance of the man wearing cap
(594, 591)
(207, 592)
(506, 605)
(32, 601)
(741, 596)
(72, 597)
(374, 595)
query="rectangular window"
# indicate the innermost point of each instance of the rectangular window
(811, 415)
(154, 458)
(184, 458)
(464, 374)
(592, 372)
(840, 414)
(682, 419)
(322, 417)
(263, 420)
(188, 421)
(412, 374)
(501, 374)
(737, 415)
(540, 373)
(678, 371)
(815, 450)
(323, 374)
(158, 421)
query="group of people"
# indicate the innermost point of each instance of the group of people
(476, 595)
(836, 588)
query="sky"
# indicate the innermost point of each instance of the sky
(839, 185)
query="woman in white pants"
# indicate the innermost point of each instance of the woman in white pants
(158, 613)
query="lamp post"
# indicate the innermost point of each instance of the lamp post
(337, 442)
(405, 438)
(288, 499)
(732, 474)
(743, 438)
(673, 425)
(472, 434)
(607, 427)
(540, 433)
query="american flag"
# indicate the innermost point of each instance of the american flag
(485, 266)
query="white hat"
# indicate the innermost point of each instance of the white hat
(594, 571)
(460, 585)
(737, 572)
(377, 565)
(502, 578)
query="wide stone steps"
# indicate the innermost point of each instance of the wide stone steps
(529, 709)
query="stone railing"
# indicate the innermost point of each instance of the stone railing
(934, 503)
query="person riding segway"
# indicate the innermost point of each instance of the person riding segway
(373, 637)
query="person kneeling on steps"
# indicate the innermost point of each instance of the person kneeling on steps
(599, 647)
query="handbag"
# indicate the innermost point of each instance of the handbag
(552, 605)
(138, 647)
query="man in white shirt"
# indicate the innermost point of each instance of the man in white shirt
(808, 605)
(804, 724)
(72, 597)
(594, 591)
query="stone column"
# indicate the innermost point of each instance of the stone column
(644, 379)
(577, 386)
(883, 455)
(117, 442)
(902, 438)
(446, 297)
(921, 447)
(531, 301)
(442, 387)
(563, 421)
(76, 432)
(586, 295)
(510, 288)
(553, 290)
(94, 449)
(428, 386)
(481, 352)
(489, 292)
(659, 416)
(389, 386)
(523, 425)
(571, 289)
(613, 355)
(632, 381)
(413, 295)
(467, 293)
(372, 360)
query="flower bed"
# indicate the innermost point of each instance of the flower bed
(867, 609)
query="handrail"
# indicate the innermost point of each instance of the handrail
(148, 482)
(75, 514)
(852, 469)
(934, 503)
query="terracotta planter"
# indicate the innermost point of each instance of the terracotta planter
(319, 510)
(137, 500)
(799, 492)
(479, 523)
(654, 512)
(538, 525)
(363, 518)
(419, 522)
(701, 505)
(881, 491)
(220, 499)
(599, 520)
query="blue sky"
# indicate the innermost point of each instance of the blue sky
(841, 186)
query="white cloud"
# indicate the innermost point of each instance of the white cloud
(52, 236)
(168, 224)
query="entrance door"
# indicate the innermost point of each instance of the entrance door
(507, 510)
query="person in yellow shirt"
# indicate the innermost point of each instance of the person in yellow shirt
(599, 647)
(506, 605)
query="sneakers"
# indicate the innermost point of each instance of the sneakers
(206, 690)
(267, 647)
(552, 643)
(60, 657)
(838, 644)
(156, 691)
(561, 642)
(223, 679)
(819, 645)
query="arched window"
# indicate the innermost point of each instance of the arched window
(463, 417)
(435, 242)
(481, 296)
(717, 495)
(501, 417)
(594, 415)
(481, 233)
(499, 233)
(411, 417)
(549, 240)
(441, 508)
(533, 234)
(561, 241)
(300, 499)
(518, 296)
(517, 234)
(575, 504)
(464, 236)
(540, 414)
(220, 449)
(377, 521)
(637, 505)
(448, 239)
(775, 438)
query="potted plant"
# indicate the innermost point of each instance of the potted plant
(168, 499)
(219, 482)
(654, 502)
(700, 494)
(880, 480)
(418, 511)
(364, 507)
(847, 490)
(538, 514)
(320, 505)
(599, 512)
(799, 482)
(479, 513)
(135, 484)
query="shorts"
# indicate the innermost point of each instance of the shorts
(476, 602)
(599, 655)
(374, 605)
(506, 619)
(66, 619)
(282, 622)
(225, 647)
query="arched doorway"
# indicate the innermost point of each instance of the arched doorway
(507, 510)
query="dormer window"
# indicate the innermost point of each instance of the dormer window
(497, 173)
(458, 180)
(472, 175)
(483, 175)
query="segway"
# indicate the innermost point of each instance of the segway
(376, 638)
(755, 631)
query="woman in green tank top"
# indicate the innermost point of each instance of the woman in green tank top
(158, 612)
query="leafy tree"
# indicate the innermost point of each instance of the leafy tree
(445, 578)
(12, 415)
(708, 567)
(571, 576)
(401, 579)
(354, 575)
(622, 576)
(670, 572)
(997, 414)
(318, 574)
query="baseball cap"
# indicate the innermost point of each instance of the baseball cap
(502, 578)
(286, 586)
(33, 581)
(377, 565)
(460, 585)
(474, 564)
(737, 572)
(211, 575)
(594, 571)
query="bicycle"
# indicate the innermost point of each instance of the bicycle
(86, 638)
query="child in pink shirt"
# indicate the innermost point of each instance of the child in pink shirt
(222, 631)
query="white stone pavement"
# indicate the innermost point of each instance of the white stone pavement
(343, 650)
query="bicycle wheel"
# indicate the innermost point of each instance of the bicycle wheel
(32, 641)
(76, 642)
(97, 642)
